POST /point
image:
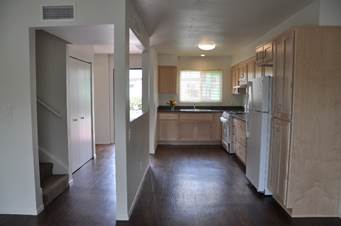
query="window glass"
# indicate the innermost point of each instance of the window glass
(201, 86)
(135, 91)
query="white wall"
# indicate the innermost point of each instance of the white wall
(102, 99)
(330, 12)
(51, 88)
(202, 63)
(20, 189)
(154, 99)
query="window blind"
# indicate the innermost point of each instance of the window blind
(201, 86)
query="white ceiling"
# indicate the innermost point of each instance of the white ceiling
(177, 26)
(100, 36)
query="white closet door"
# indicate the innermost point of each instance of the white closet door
(79, 96)
(85, 112)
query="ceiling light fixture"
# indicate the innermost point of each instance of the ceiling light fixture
(202, 55)
(207, 46)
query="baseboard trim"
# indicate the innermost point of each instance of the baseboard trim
(40, 209)
(138, 192)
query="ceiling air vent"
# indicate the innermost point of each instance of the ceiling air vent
(58, 12)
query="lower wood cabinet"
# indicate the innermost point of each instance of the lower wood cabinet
(279, 159)
(189, 128)
(239, 138)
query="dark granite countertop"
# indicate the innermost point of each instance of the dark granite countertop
(200, 109)
(241, 116)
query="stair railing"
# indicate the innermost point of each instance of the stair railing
(49, 108)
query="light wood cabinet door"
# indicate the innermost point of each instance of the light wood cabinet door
(167, 79)
(268, 53)
(259, 71)
(239, 138)
(168, 126)
(259, 55)
(282, 89)
(251, 69)
(279, 159)
(203, 130)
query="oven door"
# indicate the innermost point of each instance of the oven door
(225, 139)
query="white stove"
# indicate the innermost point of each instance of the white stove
(226, 140)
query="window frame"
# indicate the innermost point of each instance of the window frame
(202, 102)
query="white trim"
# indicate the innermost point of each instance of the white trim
(138, 192)
(70, 181)
(313, 216)
(49, 107)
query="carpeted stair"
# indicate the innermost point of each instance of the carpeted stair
(52, 185)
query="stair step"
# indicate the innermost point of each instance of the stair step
(45, 169)
(53, 186)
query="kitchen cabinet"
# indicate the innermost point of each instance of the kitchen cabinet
(279, 159)
(305, 157)
(189, 128)
(235, 79)
(239, 138)
(283, 76)
(168, 126)
(167, 79)
(264, 54)
(251, 68)
(240, 74)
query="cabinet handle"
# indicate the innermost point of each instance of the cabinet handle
(82, 117)
(75, 120)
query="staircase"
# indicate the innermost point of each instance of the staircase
(52, 185)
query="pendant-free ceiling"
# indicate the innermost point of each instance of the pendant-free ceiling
(207, 46)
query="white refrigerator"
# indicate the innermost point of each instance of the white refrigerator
(258, 132)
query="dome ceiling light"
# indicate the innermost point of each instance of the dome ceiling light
(207, 46)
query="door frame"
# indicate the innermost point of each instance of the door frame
(93, 147)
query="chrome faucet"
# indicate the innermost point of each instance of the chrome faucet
(194, 106)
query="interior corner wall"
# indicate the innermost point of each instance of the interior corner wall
(309, 15)
(20, 189)
(51, 89)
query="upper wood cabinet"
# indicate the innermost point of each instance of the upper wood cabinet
(283, 76)
(264, 54)
(167, 79)
(235, 79)
(251, 68)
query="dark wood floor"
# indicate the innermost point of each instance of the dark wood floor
(89, 201)
(206, 187)
(184, 187)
